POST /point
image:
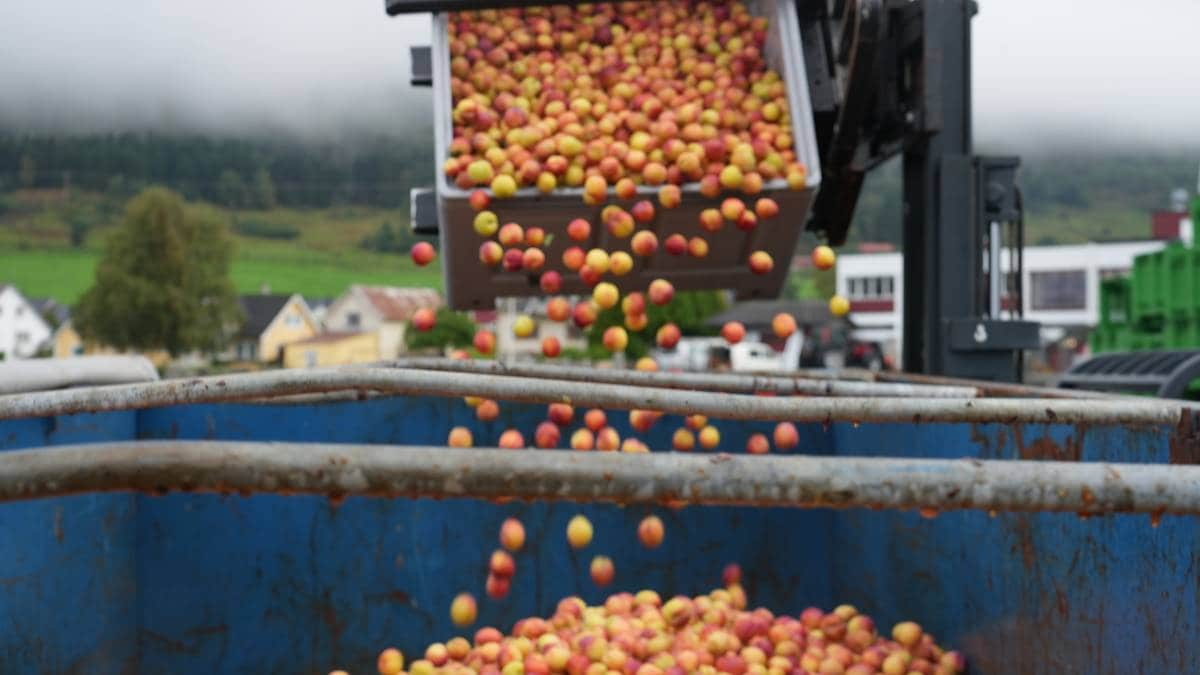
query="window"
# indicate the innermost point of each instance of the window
(870, 288)
(1061, 290)
(292, 320)
(22, 337)
(20, 310)
(353, 319)
(310, 357)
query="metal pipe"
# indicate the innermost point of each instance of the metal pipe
(666, 477)
(723, 406)
(1004, 389)
(729, 383)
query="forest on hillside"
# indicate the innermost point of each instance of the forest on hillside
(233, 172)
(1068, 196)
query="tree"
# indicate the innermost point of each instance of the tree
(231, 191)
(163, 282)
(688, 310)
(263, 189)
(452, 329)
(27, 174)
(78, 223)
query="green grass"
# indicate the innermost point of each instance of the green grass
(65, 274)
(321, 262)
(1104, 222)
(60, 274)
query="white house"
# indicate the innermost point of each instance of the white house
(383, 310)
(22, 329)
(509, 346)
(1061, 287)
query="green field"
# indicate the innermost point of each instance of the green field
(64, 274)
(321, 262)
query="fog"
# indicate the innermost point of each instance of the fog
(1101, 75)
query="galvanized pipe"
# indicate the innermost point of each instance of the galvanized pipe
(723, 406)
(1004, 389)
(729, 383)
(666, 477)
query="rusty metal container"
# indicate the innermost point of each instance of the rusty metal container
(202, 583)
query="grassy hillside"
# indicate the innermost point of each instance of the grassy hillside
(36, 253)
(1069, 199)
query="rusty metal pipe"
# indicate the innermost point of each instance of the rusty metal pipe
(797, 481)
(278, 383)
(729, 383)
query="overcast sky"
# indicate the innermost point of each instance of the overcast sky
(1102, 73)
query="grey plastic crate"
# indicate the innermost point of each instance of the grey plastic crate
(470, 285)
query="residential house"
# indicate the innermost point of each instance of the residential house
(270, 322)
(332, 349)
(319, 307)
(66, 342)
(22, 328)
(384, 310)
(54, 312)
(508, 345)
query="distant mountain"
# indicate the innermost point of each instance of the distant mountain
(1069, 197)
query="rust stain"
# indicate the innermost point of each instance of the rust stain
(1184, 444)
(1024, 533)
(979, 438)
(1045, 448)
(1060, 603)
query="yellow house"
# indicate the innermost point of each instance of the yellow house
(67, 343)
(271, 322)
(332, 349)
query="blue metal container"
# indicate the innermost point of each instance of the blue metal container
(278, 584)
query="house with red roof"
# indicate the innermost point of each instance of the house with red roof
(383, 310)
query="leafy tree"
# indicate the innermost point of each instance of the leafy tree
(163, 282)
(27, 174)
(78, 223)
(389, 239)
(452, 329)
(231, 191)
(263, 189)
(688, 310)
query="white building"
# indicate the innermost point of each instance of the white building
(22, 329)
(384, 310)
(1060, 284)
(509, 346)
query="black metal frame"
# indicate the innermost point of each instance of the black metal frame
(892, 77)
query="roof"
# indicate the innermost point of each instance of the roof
(260, 311)
(399, 304)
(322, 338)
(50, 307)
(759, 313)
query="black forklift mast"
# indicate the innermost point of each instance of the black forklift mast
(890, 77)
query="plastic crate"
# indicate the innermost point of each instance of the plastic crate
(1182, 332)
(1101, 339)
(1115, 302)
(470, 285)
(1149, 289)
(1179, 282)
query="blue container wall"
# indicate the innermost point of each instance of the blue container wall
(68, 587)
(266, 584)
